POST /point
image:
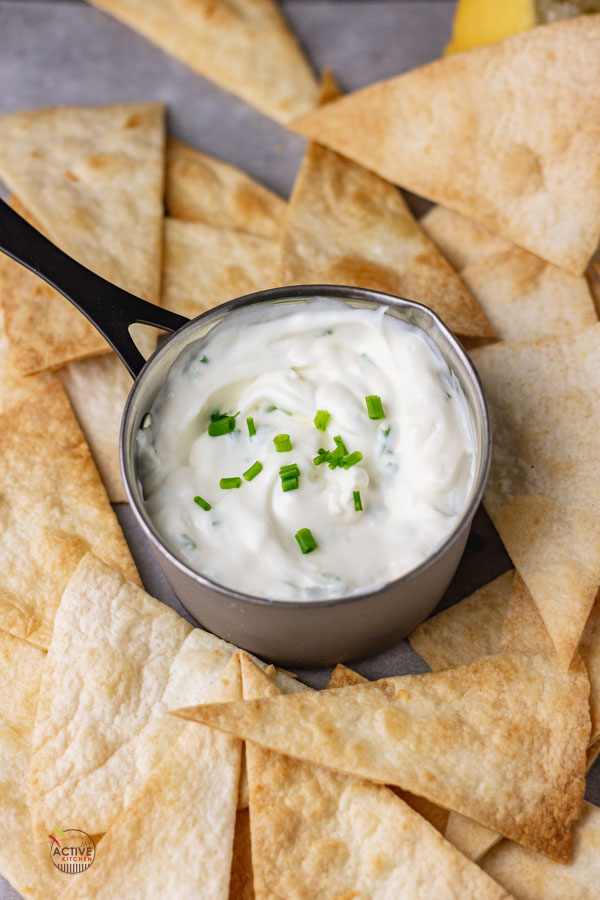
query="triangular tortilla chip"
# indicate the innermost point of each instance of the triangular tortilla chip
(241, 885)
(532, 877)
(185, 811)
(501, 740)
(483, 133)
(201, 188)
(102, 728)
(467, 630)
(54, 509)
(543, 491)
(317, 833)
(92, 178)
(345, 225)
(21, 666)
(341, 677)
(462, 241)
(245, 46)
(205, 266)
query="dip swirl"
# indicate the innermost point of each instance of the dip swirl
(414, 477)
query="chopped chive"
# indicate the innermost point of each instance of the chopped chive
(228, 483)
(224, 425)
(375, 407)
(385, 431)
(306, 541)
(270, 408)
(290, 483)
(254, 470)
(251, 426)
(204, 359)
(341, 447)
(449, 396)
(289, 470)
(202, 503)
(282, 443)
(351, 459)
(187, 541)
(321, 458)
(321, 419)
(357, 501)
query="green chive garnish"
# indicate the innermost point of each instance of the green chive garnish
(321, 419)
(285, 470)
(202, 503)
(227, 483)
(282, 443)
(375, 407)
(357, 501)
(254, 470)
(351, 459)
(321, 458)
(221, 423)
(251, 426)
(289, 477)
(341, 447)
(204, 359)
(306, 541)
(289, 483)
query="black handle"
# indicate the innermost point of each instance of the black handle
(109, 308)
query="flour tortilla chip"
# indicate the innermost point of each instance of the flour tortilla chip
(201, 188)
(482, 133)
(543, 491)
(532, 877)
(102, 730)
(345, 225)
(21, 667)
(186, 810)
(205, 266)
(341, 677)
(54, 509)
(466, 631)
(92, 177)
(318, 833)
(501, 740)
(244, 46)
(241, 885)
(462, 241)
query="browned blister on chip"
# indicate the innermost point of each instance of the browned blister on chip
(501, 740)
(462, 241)
(318, 833)
(507, 135)
(543, 490)
(175, 839)
(245, 46)
(54, 509)
(202, 188)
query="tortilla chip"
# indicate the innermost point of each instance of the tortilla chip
(462, 241)
(341, 677)
(102, 730)
(21, 666)
(54, 509)
(92, 177)
(482, 133)
(201, 188)
(190, 800)
(244, 46)
(241, 885)
(543, 491)
(317, 833)
(531, 877)
(505, 739)
(205, 266)
(345, 225)
(466, 631)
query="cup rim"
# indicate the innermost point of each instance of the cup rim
(290, 294)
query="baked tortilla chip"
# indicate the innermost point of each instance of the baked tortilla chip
(543, 492)
(205, 266)
(100, 732)
(501, 740)
(532, 877)
(318, 833)
(345, 225)
(483, 133)
(241, 885)
(185, 812)
(21, 666)
(462, 241)
(244, 46)
(341, 677)
(92, 178)
(466, 631)
(201, 188)
(54, 509)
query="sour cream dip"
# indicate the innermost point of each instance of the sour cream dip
(315, 452)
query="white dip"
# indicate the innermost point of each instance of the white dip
(415, 477)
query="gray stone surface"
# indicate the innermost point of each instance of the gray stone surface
(65, 52)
